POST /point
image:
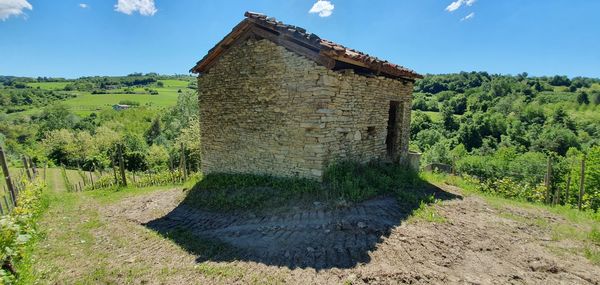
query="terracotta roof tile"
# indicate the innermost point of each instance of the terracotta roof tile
(326, 48)
(339, 50)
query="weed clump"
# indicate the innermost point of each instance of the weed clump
(346, 181)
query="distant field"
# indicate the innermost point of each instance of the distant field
(435, 116)
(174, 83)
(86, 103)
(49, 85)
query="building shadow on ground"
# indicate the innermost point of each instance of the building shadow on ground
(318, 236)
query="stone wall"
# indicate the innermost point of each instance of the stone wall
(357, 116)
(266, 110)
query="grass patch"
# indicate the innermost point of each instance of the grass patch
(347, 181)
(220, 271)
(116, 194)
(594, 236)
(427, 212)
(592, 255)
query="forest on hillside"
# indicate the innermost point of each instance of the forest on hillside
(500, 130)
(503, 130)
(38, 120)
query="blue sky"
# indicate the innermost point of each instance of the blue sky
(72, 38)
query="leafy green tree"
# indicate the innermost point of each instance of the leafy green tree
(154, 132)
(583, 98)
(427, 138)
(185, 111)
(597, 98)
(157, 158)
(60, 146)
(560, 81)
(420, 121)
(190, 138)
(592, 179)
(56, 117)
(556, 139)
(448, 118)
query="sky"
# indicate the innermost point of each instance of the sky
(73, 38)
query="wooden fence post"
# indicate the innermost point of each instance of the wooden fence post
(567, 190)
(7, 204)
(114, 167)
(122, 165)
(33, 167)
(581, 183)
(183, 162)
(548, 180)
(92, 180)
(7, 178)
(24, 159)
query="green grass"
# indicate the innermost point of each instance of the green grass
(220, 271)
(427, 212)
(172, 83)
(437, 116)
(49, 85)
(345, 181)
(107, 196)
(86, 103)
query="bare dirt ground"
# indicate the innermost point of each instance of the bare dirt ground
(152, 238)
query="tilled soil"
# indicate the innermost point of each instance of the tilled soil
(366, 243)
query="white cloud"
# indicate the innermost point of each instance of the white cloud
(468, 17)
(13, 8)
(83, 5)
(459, 3)
(144, 7)
(323, 7)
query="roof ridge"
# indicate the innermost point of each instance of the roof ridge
(324, 47)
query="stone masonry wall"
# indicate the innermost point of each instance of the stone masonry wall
(357, 129)
(266, 110)
(256, 105)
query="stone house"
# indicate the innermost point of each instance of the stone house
(277, 100)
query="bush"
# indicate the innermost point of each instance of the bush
(129, 102)
(18, 229)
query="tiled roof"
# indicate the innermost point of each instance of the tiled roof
(324, 47)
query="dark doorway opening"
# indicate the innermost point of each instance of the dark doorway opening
(392, 130)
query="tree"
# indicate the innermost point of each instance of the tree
(157, 158)
(448, 118)
(597, 99)
(154, 132)
(60, 146)
(560, 81)
(556, 139)
(583, 98)
(427, 138)
(57, 117)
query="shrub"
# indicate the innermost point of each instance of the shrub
(129, 102)
(18, 228)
